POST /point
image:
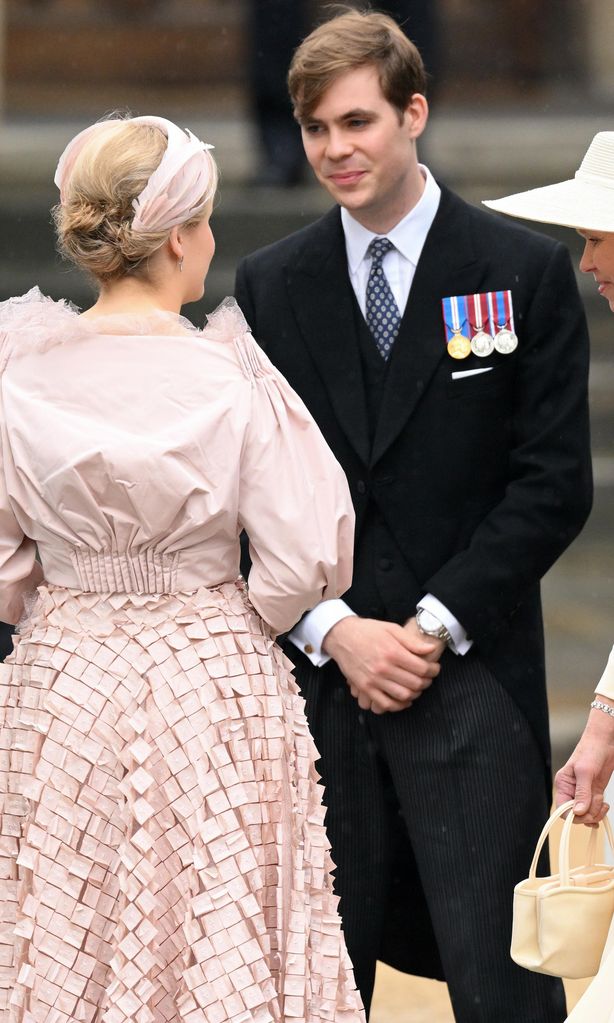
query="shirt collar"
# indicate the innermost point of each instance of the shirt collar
(408, 236)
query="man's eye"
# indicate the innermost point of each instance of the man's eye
(357, 122)
(312, 129)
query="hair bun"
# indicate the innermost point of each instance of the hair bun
(94, 223)
(86, 215)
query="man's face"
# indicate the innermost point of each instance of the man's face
(362, 149)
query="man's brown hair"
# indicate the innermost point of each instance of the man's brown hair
(348, 41)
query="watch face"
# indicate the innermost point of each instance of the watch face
(431, 626)
(428, 623)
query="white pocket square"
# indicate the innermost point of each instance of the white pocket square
(459, 374)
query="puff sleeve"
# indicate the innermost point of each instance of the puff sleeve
(294, 502)
(20, 573)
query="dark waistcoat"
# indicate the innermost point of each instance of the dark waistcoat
(382, 578)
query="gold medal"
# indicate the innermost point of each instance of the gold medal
(455, 317)
(459, 346)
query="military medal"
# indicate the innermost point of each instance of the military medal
(482, 343)
(459, 345)
(506, 340)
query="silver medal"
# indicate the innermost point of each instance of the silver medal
(482, 344)
(505, 341)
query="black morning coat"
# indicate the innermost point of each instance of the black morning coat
(469, 488)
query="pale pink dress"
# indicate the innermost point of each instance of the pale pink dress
(597, 1002)
(163, 854)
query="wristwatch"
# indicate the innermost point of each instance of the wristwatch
(429, 625)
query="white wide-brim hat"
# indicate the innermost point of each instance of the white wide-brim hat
(585, 201)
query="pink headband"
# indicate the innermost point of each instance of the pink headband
(179, 188)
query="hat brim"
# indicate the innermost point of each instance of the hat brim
(575, 203)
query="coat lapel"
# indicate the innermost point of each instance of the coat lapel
(449, 265)
(321, 295)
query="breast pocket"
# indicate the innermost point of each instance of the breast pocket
(494, 382)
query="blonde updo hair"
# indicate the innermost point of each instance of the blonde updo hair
(93, 223)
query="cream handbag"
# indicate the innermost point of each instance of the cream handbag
(561, 922)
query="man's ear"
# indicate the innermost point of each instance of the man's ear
(416, 114)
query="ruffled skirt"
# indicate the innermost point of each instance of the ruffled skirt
(163, 854)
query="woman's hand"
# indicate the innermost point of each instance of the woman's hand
(587, 772)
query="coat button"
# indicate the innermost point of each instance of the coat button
(384, 563)
(361, 487)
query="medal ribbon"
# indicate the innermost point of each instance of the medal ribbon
(480, 310)
(491, 312)
(509, 310)
(504, 309)
(484, 305)
(453, 307)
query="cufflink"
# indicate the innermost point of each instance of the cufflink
(308, 649)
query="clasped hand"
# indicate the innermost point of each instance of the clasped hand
(386, 666)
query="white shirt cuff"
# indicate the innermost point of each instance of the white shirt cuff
(309, 634)
(460, 644)
(606, 682)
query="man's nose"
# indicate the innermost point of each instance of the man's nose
(338, 145)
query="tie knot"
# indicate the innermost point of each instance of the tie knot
(378, 248)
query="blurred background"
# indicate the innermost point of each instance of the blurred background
(517, 91)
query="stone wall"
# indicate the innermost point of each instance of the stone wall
(78, 56)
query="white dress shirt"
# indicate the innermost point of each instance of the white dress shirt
(399, 264)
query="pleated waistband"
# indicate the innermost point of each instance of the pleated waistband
(146, 571)
(139, 570)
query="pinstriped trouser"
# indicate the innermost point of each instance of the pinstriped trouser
(463, 768)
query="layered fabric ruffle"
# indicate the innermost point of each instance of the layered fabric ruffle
(163, 853)
(33, 322)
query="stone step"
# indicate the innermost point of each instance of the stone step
(244, 219)
(483, 155)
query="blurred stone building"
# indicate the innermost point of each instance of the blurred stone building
(68, 57)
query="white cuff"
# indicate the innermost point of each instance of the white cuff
(606, 682)
(309, 634)
(460, 644)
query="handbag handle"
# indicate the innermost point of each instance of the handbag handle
(565, 837)
(565, 841)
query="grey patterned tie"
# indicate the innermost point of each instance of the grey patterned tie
(381, 311)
